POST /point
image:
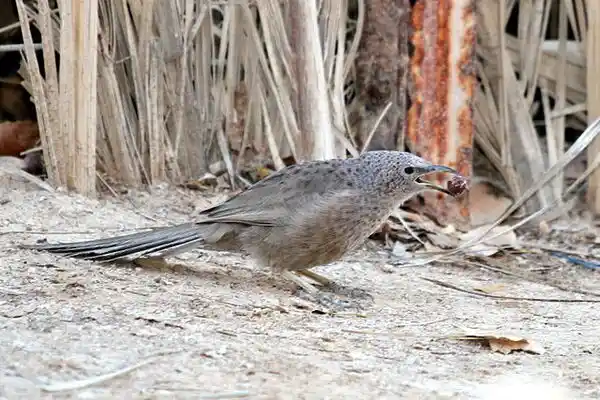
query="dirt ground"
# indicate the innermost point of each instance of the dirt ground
(232, 330)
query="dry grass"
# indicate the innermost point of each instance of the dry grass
(184, 84)
(593, 95)
(506, 106)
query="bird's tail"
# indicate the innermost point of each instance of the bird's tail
(164, 240)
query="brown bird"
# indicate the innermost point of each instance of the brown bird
(300, 217)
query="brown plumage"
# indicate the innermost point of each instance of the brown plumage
(300, 217)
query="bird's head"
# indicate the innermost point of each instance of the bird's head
(404, 174)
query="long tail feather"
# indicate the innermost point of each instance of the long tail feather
(169, 239)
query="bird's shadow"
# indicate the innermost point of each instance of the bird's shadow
(236, 276)
(225, 275)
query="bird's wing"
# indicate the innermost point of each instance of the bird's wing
(270, 201)
(337, 223)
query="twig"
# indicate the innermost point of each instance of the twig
(137, 211)
(410, 231)
(498, 297)
(17, 24)
(80, 384)
(32, 150)
(105, 183)
(5, 48)
(534, 279)
(375, 126)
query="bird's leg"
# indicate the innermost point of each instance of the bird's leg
(334, 287)
(315, 277)
(310, 289)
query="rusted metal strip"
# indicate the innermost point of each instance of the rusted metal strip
(440, 123)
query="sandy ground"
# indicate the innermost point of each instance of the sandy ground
(236, 330)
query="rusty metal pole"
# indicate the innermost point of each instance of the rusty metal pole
(440, 123)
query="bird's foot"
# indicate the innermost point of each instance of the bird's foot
(331, 301)
(349, 291)
(325, 298)
(333, 287)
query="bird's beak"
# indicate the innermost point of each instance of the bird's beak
(430, 170)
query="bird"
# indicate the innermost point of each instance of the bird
(304, 215)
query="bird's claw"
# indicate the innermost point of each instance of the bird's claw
(332, 302)
(352, 292)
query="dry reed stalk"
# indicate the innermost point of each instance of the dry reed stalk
(117, 120)
(521, 159)
(533, 23)
(555, 132)
(66, 107)
(403, 72)
(80, 81)
(503, 122)
(547, 67)
(314, 114)
(593, 96)
(44, 91)
(170, 77)
(333, 21)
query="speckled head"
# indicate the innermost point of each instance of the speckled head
(401, 173)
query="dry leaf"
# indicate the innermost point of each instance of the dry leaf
(508, 345)
(263, 172)
(205, 181)
(502, 343)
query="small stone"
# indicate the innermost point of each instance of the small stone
(399, 250)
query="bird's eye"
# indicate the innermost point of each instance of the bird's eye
(409, 170)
